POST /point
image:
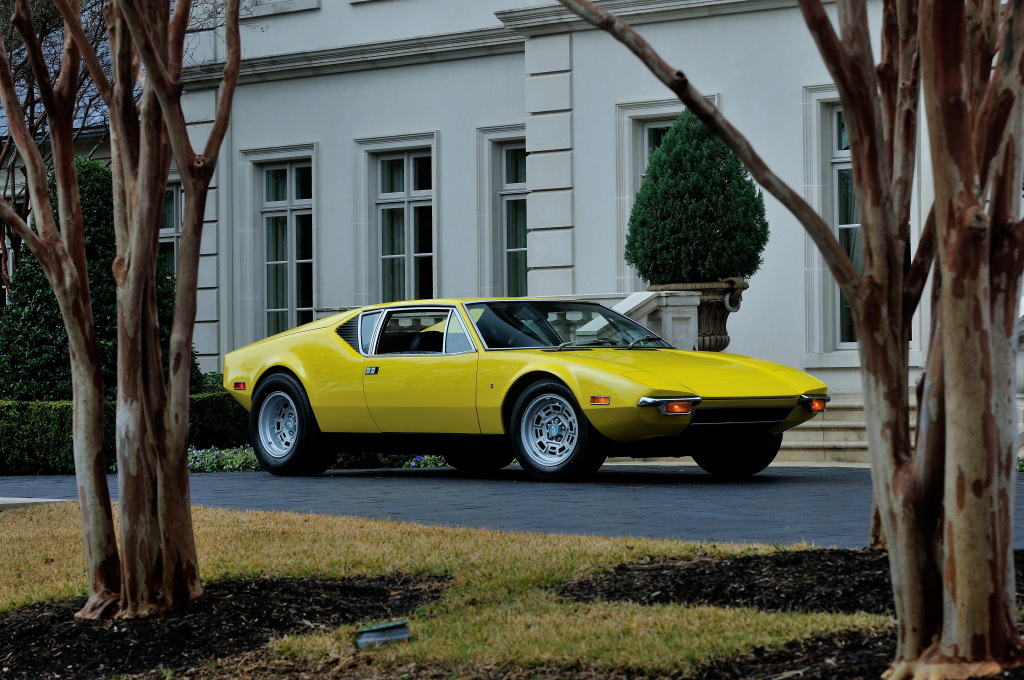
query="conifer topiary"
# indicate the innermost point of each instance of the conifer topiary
(698, 215)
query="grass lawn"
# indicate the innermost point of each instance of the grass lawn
(499, 609)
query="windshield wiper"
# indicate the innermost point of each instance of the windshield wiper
(643, 339)
(587, 343)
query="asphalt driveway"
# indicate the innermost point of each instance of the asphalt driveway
(818, 505)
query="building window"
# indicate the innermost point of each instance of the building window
(405, 224)
(170, 227)
(287, 221)
(513, 217)
(844, 216)
(654, 132)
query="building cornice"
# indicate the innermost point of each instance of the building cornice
(549, 19)
(419, 50)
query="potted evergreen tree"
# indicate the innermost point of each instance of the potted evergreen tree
(698, 224)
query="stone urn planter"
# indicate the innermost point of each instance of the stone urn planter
(717, 301)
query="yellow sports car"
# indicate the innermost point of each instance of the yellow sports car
(556, 385)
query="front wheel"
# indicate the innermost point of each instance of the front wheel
(283, 429)
(737, 457)
(552, 437)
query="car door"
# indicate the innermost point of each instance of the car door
(421, 373)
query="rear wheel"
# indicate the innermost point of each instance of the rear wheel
(737, 457)
(478, 462)
(552, 437)
(283, 429)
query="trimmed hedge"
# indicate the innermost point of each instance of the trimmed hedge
(36, 439)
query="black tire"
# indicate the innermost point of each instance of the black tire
(735, 458)
(551, 436)
(283, 429)
(478, 462)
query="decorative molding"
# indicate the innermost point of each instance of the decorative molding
(405, 52)
(547, 19)
(488, 212)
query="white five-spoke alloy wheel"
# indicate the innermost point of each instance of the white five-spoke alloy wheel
(549, 430)
(278, 424)
(551, 435)
(283, 428)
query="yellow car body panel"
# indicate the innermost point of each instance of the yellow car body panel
(472, 392)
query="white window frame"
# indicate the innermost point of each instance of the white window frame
(365, 224)
(632, 119)
(291, 208)
(508, 191)
(823, 349)
(408, 200)
(247, 309)
(172, 233)
(490, 142)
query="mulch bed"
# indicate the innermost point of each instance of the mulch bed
(232, 617)
(223, 634)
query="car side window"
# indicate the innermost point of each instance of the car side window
(367, 324)
(413, 332)
(456, 339)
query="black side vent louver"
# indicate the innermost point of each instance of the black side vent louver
(349, 332)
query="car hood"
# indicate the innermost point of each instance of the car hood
(713, 374)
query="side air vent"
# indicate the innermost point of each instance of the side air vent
(349, 332)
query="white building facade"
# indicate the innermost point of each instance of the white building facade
(392, 149)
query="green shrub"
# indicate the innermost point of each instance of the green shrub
(238, 459)
(36, 437)
(698, 216)
(33, 343)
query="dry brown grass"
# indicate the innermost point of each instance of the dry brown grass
(498, 611)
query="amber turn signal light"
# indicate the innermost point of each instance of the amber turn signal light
(678, 407)
(600, 401)
(817, 405)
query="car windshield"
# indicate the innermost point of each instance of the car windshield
(507, 324)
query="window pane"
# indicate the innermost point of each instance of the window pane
(366, 327)
(515, 165)
(304, 316)
(392, 230)
(277, 185)
(422, 173)
(304, 284)
(424, 277)
(849, 238)
(304, 237)
(303, 183)
(423, 235)
(847, 198)
(393, 279)
(515, 272)
(277, 322)
(166, 256)
(515, 223)
(655, 136)
(277, 238)
(842, 136)
(392, 176)
(277, 286)
(456, 339)
(168, 220)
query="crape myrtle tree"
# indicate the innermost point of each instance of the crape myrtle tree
(156, 566)
(944, 498)
(89, 111)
